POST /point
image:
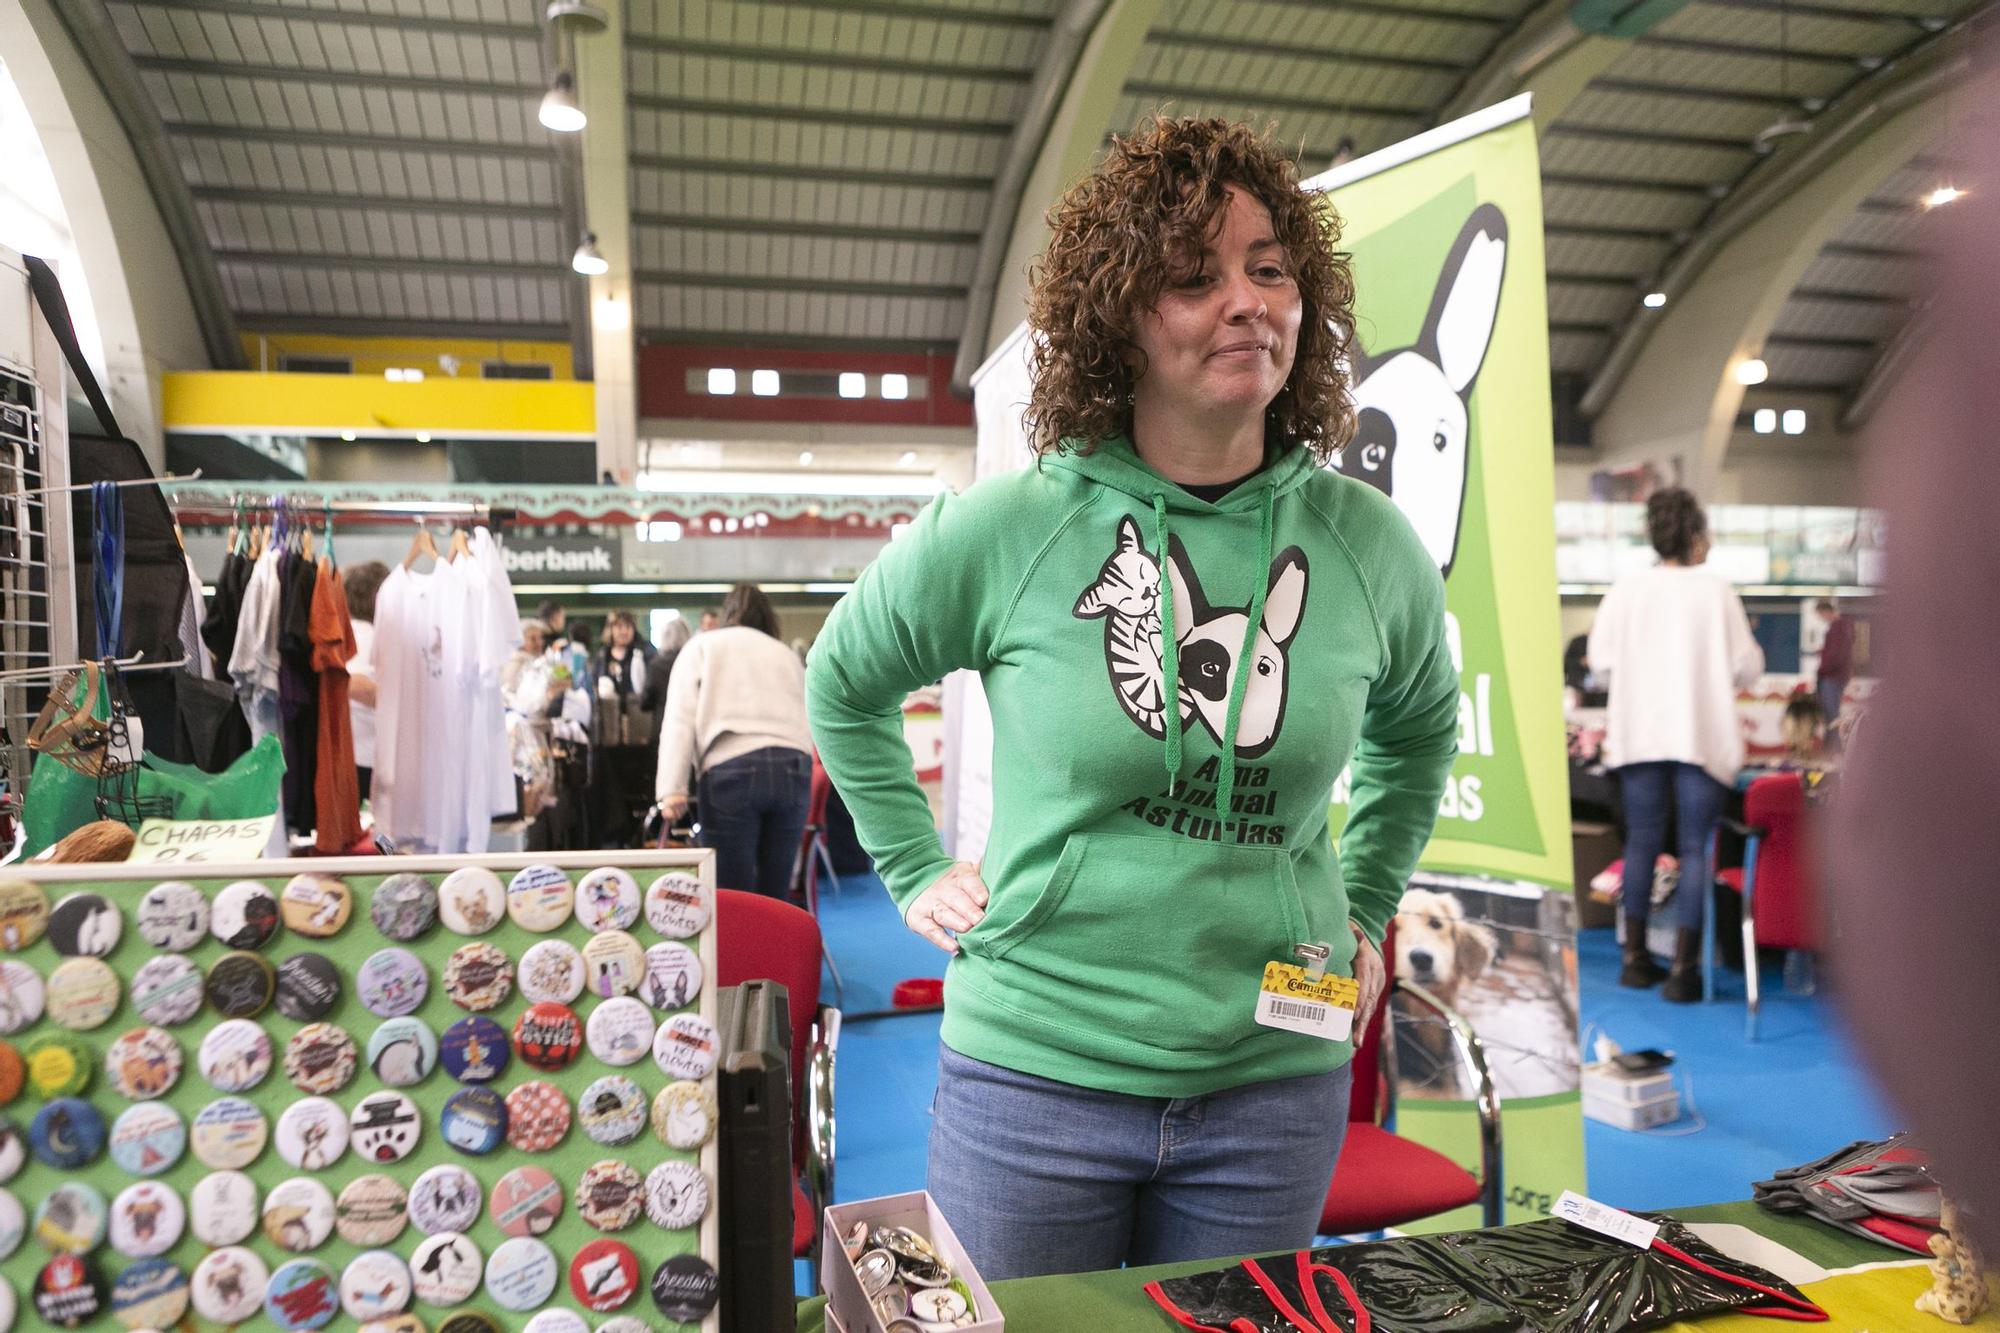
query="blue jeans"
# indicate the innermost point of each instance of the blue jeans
(1040, 1177)
(1829, 700)
(1652, 792)
(753, 812)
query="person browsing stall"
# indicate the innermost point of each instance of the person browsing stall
(1187, 627)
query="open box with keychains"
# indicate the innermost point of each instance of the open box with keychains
(478, 1091)
(893, 1265)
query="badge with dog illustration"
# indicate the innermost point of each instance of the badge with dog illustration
(224, 1208)
(673, 976)
(71, 1218)
(144, 1063)
(24, 914)
(315, 905)
(312, 1133)
(444, 1198)
(229, 1285)
(386, 1126)
(607, 899)
(471, 901)
(298, 1214)
(147, 1219)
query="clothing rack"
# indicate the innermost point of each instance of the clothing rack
(126, 665)
(87, 485)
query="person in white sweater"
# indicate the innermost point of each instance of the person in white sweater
(736, 723)
(1676, 646)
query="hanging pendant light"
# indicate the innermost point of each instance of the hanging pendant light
(560, 110)
(588, 260)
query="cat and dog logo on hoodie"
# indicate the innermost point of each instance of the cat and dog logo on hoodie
(1209, 640)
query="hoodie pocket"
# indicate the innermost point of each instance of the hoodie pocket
(1158, 938)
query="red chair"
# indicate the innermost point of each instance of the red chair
(1777, 878)
(812, 855)
(760, 938)
(1384, 1181)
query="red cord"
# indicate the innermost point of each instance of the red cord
(1277, 1298)
(1798, 1306)
(1308, 1270)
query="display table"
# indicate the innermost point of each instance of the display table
(1878, 1300)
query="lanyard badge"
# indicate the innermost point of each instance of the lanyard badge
(1305, 999)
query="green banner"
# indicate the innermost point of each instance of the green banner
(1451, 377)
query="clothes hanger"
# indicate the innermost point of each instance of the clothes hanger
(421, 545)
(460, 546)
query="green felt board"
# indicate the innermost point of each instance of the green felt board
(356, 941)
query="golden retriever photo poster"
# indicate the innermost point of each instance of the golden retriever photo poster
(1451, 379)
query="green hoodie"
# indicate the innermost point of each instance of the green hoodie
(1129, 925)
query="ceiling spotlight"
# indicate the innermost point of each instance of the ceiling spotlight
(1753, 371)
(895, 387)
(1764, 421)
(1942, 195)
(1767, 138)
(560, 111)
(1653, 300)
(579, 16)
(909, 458)
(588, 259)
(764, 383)
(1343, 152)
(805, 458)
(853, 384)
(1795, 421)
(423, 437)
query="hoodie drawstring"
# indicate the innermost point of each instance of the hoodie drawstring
(1246, 660)
(1170, 656)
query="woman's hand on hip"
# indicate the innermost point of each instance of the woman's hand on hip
(953, 905)
(1370, 975)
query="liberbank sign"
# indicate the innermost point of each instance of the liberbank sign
(597, 559)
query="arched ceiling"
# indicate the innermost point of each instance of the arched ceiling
(818, 172)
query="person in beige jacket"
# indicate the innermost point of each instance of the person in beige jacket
(736, 725)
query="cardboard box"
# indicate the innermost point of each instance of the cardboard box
(1633, 1115)
(846, 1306)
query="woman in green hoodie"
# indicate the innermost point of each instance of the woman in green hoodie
(1186, 627)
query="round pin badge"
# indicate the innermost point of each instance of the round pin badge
(320, 1058)
(371, 1210)
(386, 1126)
(22, 996)
(13, 1149)
(548, 1036)
(613, 1110)
(607, 899)
(613, 963)
(66, 1134)
(152, 1293)
(58, 1066)
(526, 1202)
(539, 898)
(148, 1138)
(229, 1285)
(244, 915)
(685, 1288)
(444, 1198)
(673, 976)
(475, 1050)
(474, 1120)
(71, 1218)
(229, 1133)
(603, 1275)
(312, 1133)
(375, 1285)
(625, 1324)
(308, 987)
(392, 982)
(8, 1307)
(521, 1274)
(147, 1219)
(556, 1319)
(24, 914)
(445, 1269)
(144, 1063)
(240, 985)
(470, 1321)
(551, 972)
(686, 1046)
(69, 1291)
(83, 993)
(85, 925)
(224, 1208)
(620, 1031)
(13, 1073)
(173, 916)
(13, 1223)
(471, 901)
(234, 1056)
(397, 1323)
(676, 906)
(402, 1052)
(405, 906)
(315, 905)
(298, 1214)
(610, 1195)
(685, 1114)
(538, 1116)
(167, 989)
(478, 976)
(676, 1195)
(301, 1295)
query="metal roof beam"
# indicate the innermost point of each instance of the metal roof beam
(808, 229)
(895, 9)
(1813, 343)
(364, 326)
(1543, 52)
(265, 9)
(1661, 138)
(1886, 369)
(829, 286)
(342, 77)
(555, 267)
(816, 342)
(1920, 22)
(1583, 181)
(310, 199)
(1382, 9)
(1707, 47)
(362, 142)
(820, 115)
(1849, 297)
(1277, 101)
(826, 59)
(805, 172)
(1739, 96)
(1848, 250)
(1288, 51)
(89, 25)
(1605, 232)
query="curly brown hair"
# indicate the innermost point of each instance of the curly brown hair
(1675, 521)
(1144, 215)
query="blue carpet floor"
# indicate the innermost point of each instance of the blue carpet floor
(1795, 1094)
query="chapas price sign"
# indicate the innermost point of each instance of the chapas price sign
(203, 839)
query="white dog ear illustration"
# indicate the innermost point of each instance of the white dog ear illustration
(1411, 422)
(1210, 644)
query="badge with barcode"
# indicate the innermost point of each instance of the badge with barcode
(1292, 1001)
